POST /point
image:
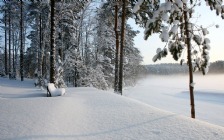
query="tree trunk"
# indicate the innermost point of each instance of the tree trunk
(52, 52)
(86, 49)
(120, 84)
(6, 53)
(40, 76)
(21, 43)
(117, 51)
(13, 53)
(76, 76)
(188, 42)
(9, 41)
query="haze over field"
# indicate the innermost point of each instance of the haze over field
(171, 93)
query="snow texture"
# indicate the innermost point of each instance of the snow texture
(192, 84)
(137, 6)
(90, 114)
(164, 35)
(171, 93)
(55, 91)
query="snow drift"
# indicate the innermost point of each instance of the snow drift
(90, 114)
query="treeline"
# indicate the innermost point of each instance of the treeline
(171, 68)
(69, 43)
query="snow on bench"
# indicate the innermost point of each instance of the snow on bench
(52, 91)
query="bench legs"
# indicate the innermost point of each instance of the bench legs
(48, 92)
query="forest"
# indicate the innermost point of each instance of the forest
(70, 69)
(84, 43)
(175, 68)
(70, 43)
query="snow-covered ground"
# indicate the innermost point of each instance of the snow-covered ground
(87, 113)
(171, 93)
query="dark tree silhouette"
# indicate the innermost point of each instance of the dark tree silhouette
(120, 84)
(117, 50)
(52, 52)
(21, 41)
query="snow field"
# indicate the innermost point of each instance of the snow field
(171, 93)
(88, 113)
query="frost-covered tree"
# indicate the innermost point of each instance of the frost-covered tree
(39, 37)
(132, 58)
(59, 74)
(217, 6)
(4, 8)
(12, 19)
(172, 19)
(106, 41)
(84, 40)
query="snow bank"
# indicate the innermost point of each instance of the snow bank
(55, 91)
(91, 114)
(171, 93)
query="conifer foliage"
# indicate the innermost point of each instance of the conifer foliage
(68, 43)
(172, 20)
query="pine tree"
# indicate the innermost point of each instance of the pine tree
(106, 47)
(181, 35)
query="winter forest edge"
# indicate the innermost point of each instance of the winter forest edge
(73, 43)
(84, 44)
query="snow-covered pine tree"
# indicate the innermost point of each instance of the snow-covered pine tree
(132, 58)
(59, 78)
(173, 21)
(39, 37)
(4, 20)
(106, 42)
(217, 6)
(106, 46)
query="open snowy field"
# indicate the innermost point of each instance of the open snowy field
(171, 93)
(87, 113)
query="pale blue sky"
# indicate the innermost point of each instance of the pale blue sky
(208, 17)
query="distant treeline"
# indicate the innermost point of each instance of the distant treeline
(171, 68)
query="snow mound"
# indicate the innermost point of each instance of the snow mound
(91, 114)
(55, 91)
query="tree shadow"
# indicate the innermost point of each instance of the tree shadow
(83, 135)
(26, 95)
(208, 96)
(27, 83)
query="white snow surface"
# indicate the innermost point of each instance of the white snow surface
(171, 93)
(55, 91)
(90, 114)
